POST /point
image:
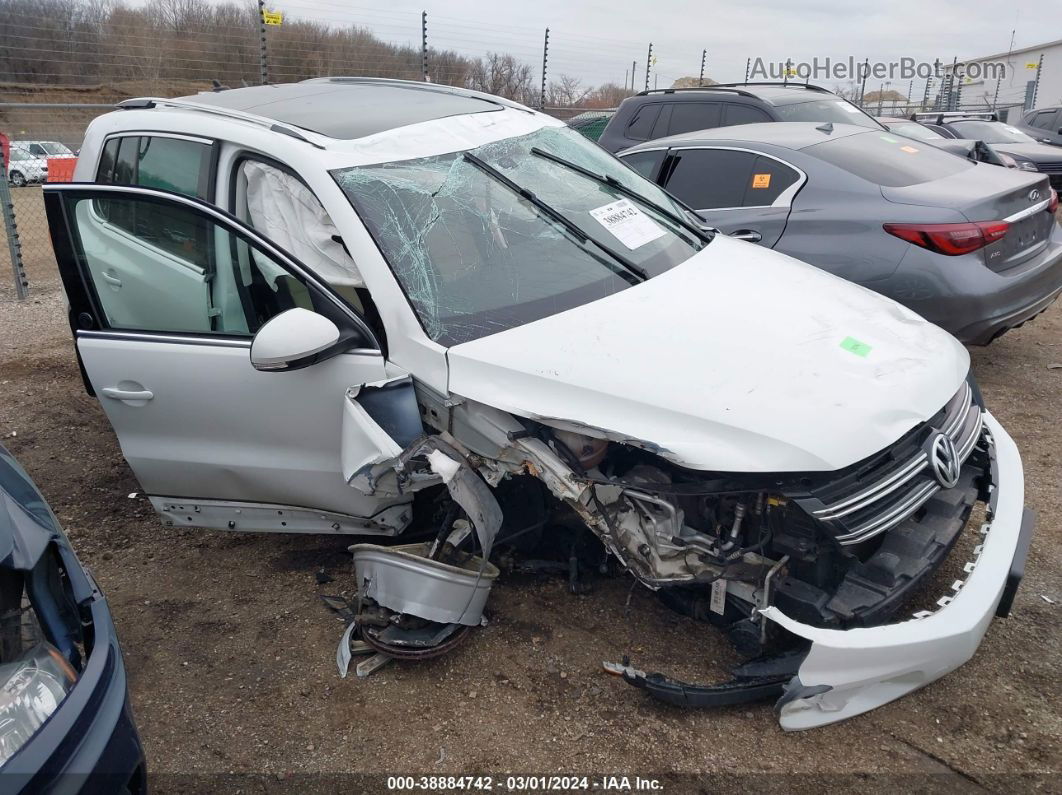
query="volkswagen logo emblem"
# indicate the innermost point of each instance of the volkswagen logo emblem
(944, 460)
(1034, 195)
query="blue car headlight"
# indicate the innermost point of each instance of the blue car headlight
(31, 689)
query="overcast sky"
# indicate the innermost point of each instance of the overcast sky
(597, 39)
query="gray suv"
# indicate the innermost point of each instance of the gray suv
(674, 111)
(1045, 125)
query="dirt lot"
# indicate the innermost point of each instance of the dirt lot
(231, 655)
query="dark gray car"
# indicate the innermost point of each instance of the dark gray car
(1043, 125)
(963, 147)
(1027, 152)
(673, 111)
(972, 247)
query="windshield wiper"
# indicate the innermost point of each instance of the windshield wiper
(556, 215)
(619, 187)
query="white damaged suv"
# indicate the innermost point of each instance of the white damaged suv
(305, 306)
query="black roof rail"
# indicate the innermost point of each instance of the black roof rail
(695, 88)
(792, 84)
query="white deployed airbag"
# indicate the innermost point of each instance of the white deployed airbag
(282, 208)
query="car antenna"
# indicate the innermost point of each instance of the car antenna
(826, 128)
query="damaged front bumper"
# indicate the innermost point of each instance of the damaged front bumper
(848, 672)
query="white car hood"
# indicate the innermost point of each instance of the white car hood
(733, 361)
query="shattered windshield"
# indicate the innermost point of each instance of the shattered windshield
(474, 257)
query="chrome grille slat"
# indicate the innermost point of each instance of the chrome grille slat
(864, 498)
(904, 488)
(897, 514)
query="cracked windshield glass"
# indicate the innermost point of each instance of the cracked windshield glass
(476, 257)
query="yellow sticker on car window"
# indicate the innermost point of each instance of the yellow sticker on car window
(908, 149)
(761, 180)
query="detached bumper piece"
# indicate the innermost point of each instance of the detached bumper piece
(757, 680)
(848, 672)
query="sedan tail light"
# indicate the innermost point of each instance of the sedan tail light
(951, 239)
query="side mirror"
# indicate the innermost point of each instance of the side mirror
(292, 339)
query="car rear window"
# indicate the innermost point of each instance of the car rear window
(838, 111)
(889, 160)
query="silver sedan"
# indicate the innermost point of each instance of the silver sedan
(969, 246)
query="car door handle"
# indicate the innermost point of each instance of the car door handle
(114, 281)
(750, 235)
(115, 393)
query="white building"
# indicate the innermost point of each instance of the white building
(1016, 87)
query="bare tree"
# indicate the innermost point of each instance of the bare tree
(566, 92)
(503, 75)
(607, 95)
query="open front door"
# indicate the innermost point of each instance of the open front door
(166, 294)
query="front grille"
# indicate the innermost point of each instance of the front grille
(893, 486)
(1049, 168)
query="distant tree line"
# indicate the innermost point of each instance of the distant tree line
(103, 42)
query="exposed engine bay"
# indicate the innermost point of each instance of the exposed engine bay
(718, 547)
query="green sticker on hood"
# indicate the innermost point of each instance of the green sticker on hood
(852, 345)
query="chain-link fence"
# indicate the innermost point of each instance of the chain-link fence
(32, 126)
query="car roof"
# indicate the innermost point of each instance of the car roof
(771, 93)
(346, 108)
(784, 134)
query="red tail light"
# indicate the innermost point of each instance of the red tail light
(951, 239)
(1053, 204)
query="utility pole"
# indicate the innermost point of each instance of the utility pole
(545, 56)
(424, 46)
(263, 51)
(634, 70)
(648, 65)
(704, 56)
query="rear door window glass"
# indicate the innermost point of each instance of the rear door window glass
(838, 111)
(889, 160)
(1044, 119)
(173, 164)
(770, 178)
(641, 125)
(708, 179)
(690, 116)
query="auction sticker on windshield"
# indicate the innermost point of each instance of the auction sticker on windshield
(631, 226)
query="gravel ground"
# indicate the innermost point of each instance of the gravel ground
(231, 655)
